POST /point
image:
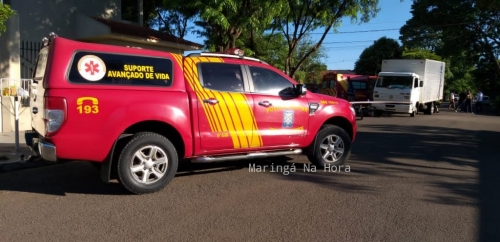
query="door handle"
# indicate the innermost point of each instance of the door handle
(265, 103)
(211, 101)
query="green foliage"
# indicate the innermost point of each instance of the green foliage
(223, 22)
(370, 60)
(418, 53)
(301, 17)
(271, 48)
(149, 7)
(275, 31)
(464, 32)
(5, 13)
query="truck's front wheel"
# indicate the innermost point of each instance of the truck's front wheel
(332, 147)
(147, 163)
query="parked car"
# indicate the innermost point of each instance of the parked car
(486, 100)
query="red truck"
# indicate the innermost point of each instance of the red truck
(337, 85)
(138, 112)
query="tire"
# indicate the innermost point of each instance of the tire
(317, 149)
(412, 114)
(154, 171)
(97, 165)
(436, 108)
(430, 108)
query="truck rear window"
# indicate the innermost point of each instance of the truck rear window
(116, 69)
(41, 64)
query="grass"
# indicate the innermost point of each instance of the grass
(3, 157)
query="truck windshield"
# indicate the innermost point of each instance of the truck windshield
(403, 82)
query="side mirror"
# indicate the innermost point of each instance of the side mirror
(300, 89)
(421, 83)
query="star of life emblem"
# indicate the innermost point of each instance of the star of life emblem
(91, 67)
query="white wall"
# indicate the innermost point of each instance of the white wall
(40, 17)
(10, 67)
(34, 20)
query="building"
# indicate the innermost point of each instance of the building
(97, 21)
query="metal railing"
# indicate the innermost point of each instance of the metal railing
(18, 89)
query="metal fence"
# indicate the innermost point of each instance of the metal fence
(29, 53)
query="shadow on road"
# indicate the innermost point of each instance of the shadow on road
(450, 158)
(83, 178)
(59, 179)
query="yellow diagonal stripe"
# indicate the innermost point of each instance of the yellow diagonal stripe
(232, 114)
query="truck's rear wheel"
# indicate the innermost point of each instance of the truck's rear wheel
(430, 108)
(332, 147)
(147, 163)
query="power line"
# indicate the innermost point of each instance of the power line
(348, 42)
(349, 46)
(359, 31)
(380, 30)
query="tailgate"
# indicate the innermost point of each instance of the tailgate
(37, 92)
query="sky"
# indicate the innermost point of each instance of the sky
(345, 47)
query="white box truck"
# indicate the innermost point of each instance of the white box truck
(409, 86)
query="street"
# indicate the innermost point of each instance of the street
(423, 178)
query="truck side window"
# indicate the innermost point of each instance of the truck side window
(416, 82)
(268, 81)
(120, 69)
(221, 76)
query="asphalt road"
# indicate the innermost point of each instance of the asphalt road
(427, 178)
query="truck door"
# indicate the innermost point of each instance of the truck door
(224, 111)
(37, 92)
(416, 93)
(282, 119)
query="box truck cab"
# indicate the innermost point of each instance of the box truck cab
(409, 86)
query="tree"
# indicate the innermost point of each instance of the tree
(301, 17)
(312, 67)
(466, 32)
(173, 17)
(130, 13)
(224, 21)
(5, 14)
(370, 60)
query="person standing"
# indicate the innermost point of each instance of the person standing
(479, 102)
(461, 98)
(452, 100)
(468, 102)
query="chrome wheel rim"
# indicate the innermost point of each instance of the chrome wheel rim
(332, 148)
(149, 164)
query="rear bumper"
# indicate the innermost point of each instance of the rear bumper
(41, 147)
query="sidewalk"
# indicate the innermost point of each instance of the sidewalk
(10, 160)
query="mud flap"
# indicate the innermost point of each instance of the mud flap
(106, 166)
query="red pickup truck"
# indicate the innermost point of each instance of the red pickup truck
(138, 112)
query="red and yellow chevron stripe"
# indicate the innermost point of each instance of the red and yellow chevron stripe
(328, 91)
(232, 114)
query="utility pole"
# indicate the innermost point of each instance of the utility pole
(140, 8)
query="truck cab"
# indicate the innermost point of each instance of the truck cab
(400, 88)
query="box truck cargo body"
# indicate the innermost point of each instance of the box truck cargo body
(409, 86)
